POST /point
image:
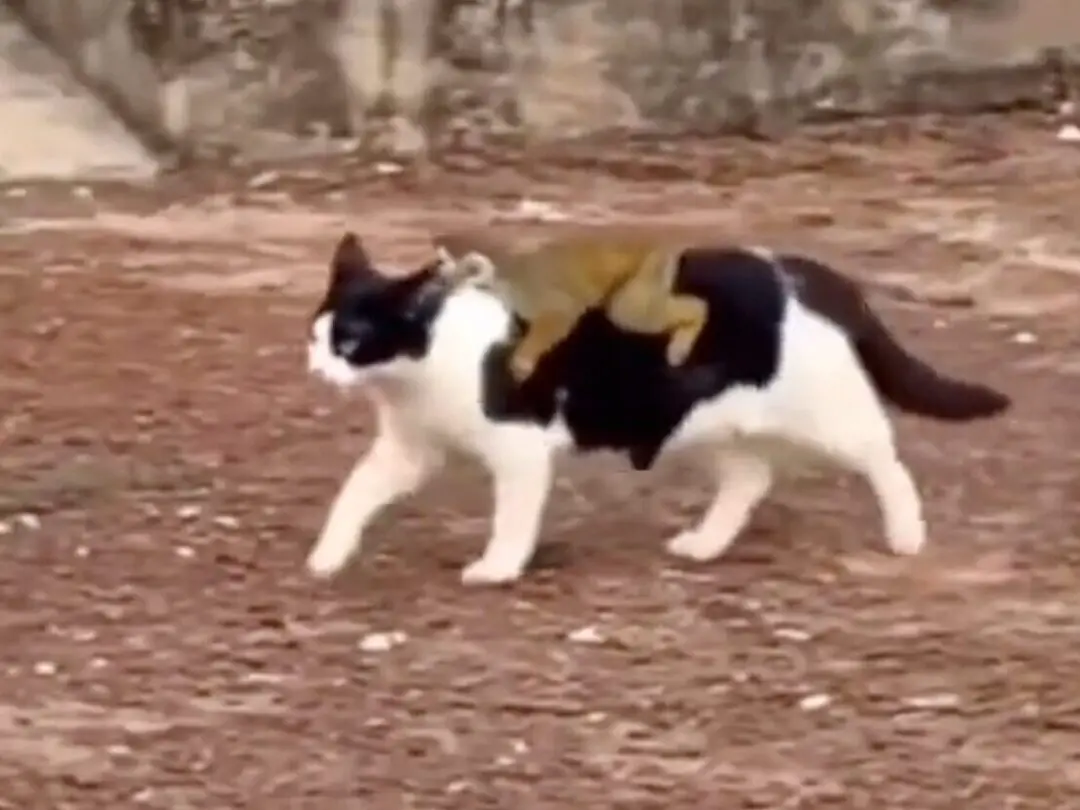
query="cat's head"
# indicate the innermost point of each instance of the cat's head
(369, 323)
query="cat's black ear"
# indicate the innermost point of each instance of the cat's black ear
(350, 260)
(421, 295)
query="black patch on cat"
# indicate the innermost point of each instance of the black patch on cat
(615, 389)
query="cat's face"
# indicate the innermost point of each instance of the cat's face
(366, 320)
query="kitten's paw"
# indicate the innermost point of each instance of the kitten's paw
(490, 572)
(693, 545)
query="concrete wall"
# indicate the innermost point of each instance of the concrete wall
(265, 77)
(53, 127)
(94, 37)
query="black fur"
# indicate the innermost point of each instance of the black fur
(617, 390)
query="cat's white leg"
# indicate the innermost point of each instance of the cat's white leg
(397, 463)
(522, 470)
(898, 499)
(854, 429)
(744, 479)
(866, 445)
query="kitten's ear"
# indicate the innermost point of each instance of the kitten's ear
(350, 259)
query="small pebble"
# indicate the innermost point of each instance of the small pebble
(791, 634)
(28, 521)
(1070, 133)
(189, 511)
(811, 703)
(144, 796)
(535, 211)
(263, 179)
(943, 700)
(381, 642)
(585, 635)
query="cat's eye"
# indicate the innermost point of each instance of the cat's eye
(351, 336)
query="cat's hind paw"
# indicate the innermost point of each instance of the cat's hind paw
(485, 571)
(695, 546)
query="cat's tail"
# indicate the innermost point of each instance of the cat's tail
(898, 376)
(912, 385)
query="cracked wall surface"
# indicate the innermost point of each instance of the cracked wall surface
(271, 77)
(53, 126)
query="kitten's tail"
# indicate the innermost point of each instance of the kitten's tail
(914, 386)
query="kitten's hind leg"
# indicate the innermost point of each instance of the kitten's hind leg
(397, 464)
(686, 317)
(743, 481)
(542, 334)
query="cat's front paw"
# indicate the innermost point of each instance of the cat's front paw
(693, 545)
(490, 572)
(327, 559)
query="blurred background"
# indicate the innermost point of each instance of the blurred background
(279, 78)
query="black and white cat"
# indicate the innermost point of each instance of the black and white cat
(792, 358)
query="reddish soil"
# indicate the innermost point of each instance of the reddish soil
(165, 464)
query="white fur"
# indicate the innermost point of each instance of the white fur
(820, 402)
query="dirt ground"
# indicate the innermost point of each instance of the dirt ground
(165, 464)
